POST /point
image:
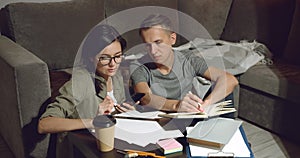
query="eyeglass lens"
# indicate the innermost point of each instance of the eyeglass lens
(107, 60)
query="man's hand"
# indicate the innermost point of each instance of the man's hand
(191, 103)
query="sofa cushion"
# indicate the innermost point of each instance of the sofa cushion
(53, 31)
(57, 80)
(266, 21)
(4, 149)
(292, 51)
(280, 80)
(211, 14)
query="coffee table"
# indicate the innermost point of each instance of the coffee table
(84, 143)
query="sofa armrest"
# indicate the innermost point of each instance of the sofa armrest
(236, 98)
(25, 86)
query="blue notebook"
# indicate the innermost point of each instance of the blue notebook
(188, 152)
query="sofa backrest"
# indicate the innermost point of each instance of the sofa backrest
(59, 29)
(266, 21)
(134, 15)
(52, 31)
(211, 14)
(292, 49)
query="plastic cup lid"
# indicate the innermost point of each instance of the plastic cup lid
(104, 121)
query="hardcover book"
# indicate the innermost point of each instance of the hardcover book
(214, 133)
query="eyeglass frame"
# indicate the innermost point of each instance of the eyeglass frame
(110, 59)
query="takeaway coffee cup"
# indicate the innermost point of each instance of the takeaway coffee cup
(105, 132)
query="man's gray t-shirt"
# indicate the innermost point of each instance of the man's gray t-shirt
(178, 82)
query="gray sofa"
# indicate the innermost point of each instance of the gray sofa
(39, 39)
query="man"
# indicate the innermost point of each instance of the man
(167, 77)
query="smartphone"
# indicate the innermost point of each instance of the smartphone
(137, 96)
(134, 98)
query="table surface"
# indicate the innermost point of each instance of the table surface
(84, 142)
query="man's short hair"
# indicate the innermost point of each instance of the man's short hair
(154, 20)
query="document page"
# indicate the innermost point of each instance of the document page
(141, 115)
(142, 132)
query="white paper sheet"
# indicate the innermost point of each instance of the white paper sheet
(142, 132)
(141, 115)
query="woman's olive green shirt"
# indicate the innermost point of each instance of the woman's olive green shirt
(78, 97)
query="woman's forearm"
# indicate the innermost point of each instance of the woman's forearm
(55, 124)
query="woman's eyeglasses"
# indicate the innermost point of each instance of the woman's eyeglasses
(105, 60)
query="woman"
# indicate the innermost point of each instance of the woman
(95, 89)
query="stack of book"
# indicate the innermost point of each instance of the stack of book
(218, 135)
(213, 132)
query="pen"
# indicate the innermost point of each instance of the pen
(128, 155)
(144, 154)
(199, 105)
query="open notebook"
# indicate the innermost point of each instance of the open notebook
(211, 111)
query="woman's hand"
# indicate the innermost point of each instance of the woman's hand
(106, 106)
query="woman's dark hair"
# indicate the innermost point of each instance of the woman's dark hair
(98, 38)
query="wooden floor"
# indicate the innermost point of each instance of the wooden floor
(265, 144)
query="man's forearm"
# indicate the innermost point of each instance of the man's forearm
(223, 87)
